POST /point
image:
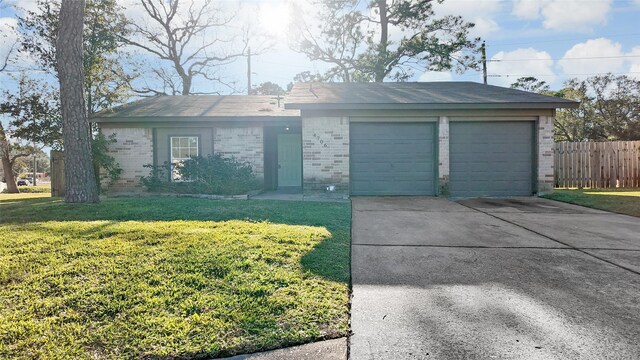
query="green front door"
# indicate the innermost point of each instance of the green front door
(289, 160)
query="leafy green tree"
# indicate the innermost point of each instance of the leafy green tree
(609, 109)
(268, 88)
(106, 83)
(33, 119)
(531, 84)
(574, 124)
(356, 39)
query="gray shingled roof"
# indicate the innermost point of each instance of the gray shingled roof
(199, 108)
(420, 95)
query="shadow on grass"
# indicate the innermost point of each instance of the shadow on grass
(329, 258)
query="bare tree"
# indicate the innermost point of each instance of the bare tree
(80, 180)
(190, 39)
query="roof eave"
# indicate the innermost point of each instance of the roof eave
(461, 106)
(232, 118)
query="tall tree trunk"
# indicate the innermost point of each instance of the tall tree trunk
(7, 165)
(381, 71)
(186, 85)
(80, 181)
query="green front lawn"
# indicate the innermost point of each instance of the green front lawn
(623, 201)
(169, 277)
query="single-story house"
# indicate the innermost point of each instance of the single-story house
(459, 139)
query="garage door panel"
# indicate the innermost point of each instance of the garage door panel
(392, 158)
(491, 158)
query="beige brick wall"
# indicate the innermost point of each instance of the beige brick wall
(133, 150)
(244, 144)
(545, 154)
(325, 153)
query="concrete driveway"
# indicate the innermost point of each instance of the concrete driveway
(522, 278)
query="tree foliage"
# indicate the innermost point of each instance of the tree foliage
(531, 84)
(106, 83)
(33, 120)
(188, 37)
(357, 40)
(609, 107)
(268, 88)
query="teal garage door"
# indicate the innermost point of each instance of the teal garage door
(491, 158)
(392, 158)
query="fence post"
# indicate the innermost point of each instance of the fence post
(57, 173)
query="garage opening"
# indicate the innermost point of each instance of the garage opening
(494, 158)
(392, 158)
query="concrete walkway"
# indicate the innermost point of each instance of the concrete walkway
(335, 349)
(509, 279)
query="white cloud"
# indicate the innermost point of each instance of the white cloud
(518, 63)
(436, 76)
(565, 15)
(634, 68)
(481, 13)
(527, 9)
(607, 52)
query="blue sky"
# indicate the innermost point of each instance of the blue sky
(551, 39)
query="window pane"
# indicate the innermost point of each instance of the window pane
(183, 153)
(175, 142)
(184, 142)
(193, 142)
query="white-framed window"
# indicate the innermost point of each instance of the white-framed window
(182, 148)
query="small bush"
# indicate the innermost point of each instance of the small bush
(32, 189)
(158, 179)
(213, 174)
(102, 160)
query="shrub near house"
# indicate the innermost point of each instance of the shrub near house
(211, 174)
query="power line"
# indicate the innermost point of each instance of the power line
(541, 75)
(562, 40)
(571, 58)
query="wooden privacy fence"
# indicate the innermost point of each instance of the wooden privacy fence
(597, 164)
(57, 173)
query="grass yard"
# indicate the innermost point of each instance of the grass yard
(623, 201)
(169, 277)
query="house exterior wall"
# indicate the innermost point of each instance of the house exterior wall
(325, 144)
(545, 154)
(325, 153)
(164, 135)
(133, 150)
(329, 165)
(245, 144)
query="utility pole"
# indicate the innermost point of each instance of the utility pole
(249, 71)
(483, 49)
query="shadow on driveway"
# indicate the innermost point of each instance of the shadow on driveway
(487, 278)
